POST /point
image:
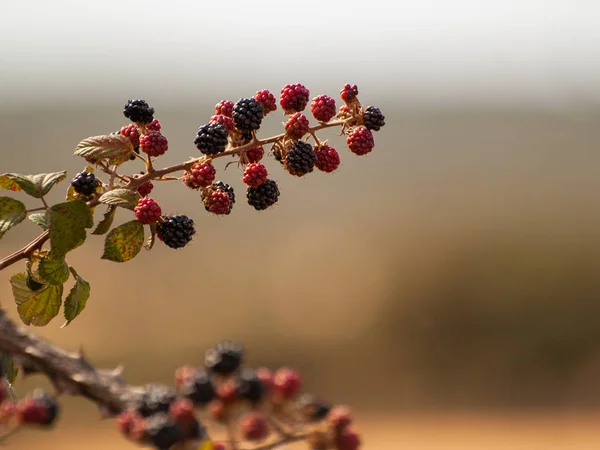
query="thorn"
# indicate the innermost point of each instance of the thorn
(117, 374)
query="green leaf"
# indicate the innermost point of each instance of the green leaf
(37, 185)
(77, 298)
(68, 222)
(124, 242)
(105, 224)
(125, 198)
(9, 368)
(150, 242)
(114, 147)
(12, 212)
(39, 219)
(9, 184)
(53, 272)
(35, 307)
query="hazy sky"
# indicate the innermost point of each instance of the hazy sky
(539, 52)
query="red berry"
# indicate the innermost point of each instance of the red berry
(360, 141)
(146, 188)
(255, 154)
(217, 410)
(31, 411)
(183, 374)
(224, 107)
(339, 417)
(218, 445)
(349, 93)
(132, 133)
(255, 174)
(348, 439)
(127, 420)
(217, 202)
(267, 100)
(323, 108)
(153, 126)
(288, 383)
(297, 125)
(154, 144)
(294, 98)
(200, 175)
(254, 426)
(267, 377)
(328, 159)
(182, 411)
(227, 392)
(147, 211)
(227, 122)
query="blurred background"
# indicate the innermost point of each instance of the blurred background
(445, 285)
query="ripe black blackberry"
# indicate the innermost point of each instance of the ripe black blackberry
(263, 196)
(176, 231)
(221, 186)
(211, 138)
(373, 118)
(85, 183)
(162, 431)
(156, 399)
(138, 111)
(199, 388)
(224, 358)
(48, 403)
(248, 114)
(301, 159)
(250, 386)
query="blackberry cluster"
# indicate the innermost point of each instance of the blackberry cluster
(199, 388)
(162, 431)
(176, 231)
(293, 98)
(138, 111)
(211, 138)
(250, 386)
(301, 159)
(224, 358)
(156, 399)
(373, 118)
(85, 183)
(263, 196)
(248, 114)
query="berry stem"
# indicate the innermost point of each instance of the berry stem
(41, 208)
(281, 442)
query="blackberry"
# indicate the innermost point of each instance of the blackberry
(199, 388)
(162, 431)
(263, 196)
(250, 386)
(85, 183)
(301, 159)
(374, 118)
(137, 151)
(156, 399)
(221, 186)
(176, 231)
(48, 404)
(248, 114)
(224, 358)
(138, 111)
(211, 138)
(313, 409)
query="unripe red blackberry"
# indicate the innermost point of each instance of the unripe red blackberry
(297, 125)
(254, 426)
(373, 118)
(348, 439)
(263, 196)
(224, 107)
(293, 98)
(349, 93)
(300, 159)
(217, 202)
(200, 175)
(227, 392)
(147, 211)
(132, 134)
(219, 445)
(85, 183)
(199, 388)
(227, 122)
(162, 431)
(328, 158)
(126, 421)
(156, 398)
(339, 417)
(255, 154)
(267, 100)
(323, 108)
(138, 111)
(146, 188)
(218, 186)
(250, 386)
(313, 409)
(182, 411)
(154, 144)
(267, 377)
(224, 358)
(39, 409)
(288, 383)
(248, 114)
(154, 125)
(211, 138)
(360, 141)
(176, 231)
(255, 174)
